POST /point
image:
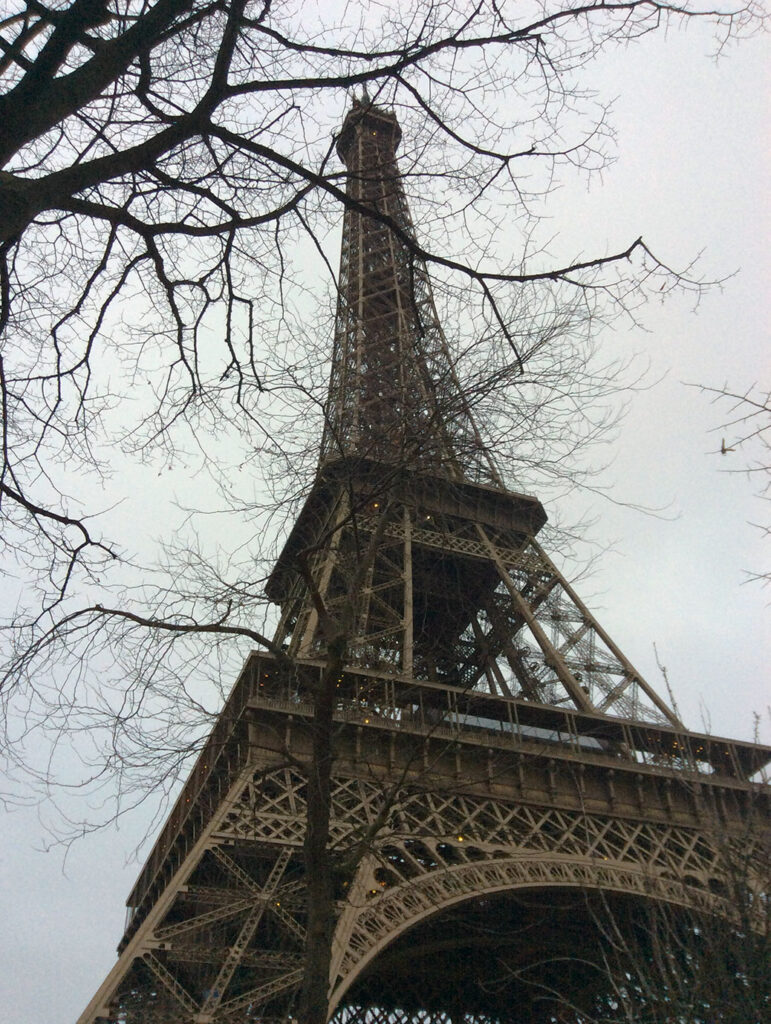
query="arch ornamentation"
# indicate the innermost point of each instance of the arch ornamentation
(394, 912)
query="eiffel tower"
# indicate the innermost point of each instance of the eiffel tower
(497, 761)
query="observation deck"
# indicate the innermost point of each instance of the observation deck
(644, 769)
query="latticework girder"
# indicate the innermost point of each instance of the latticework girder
(509, 846)
(453, 597)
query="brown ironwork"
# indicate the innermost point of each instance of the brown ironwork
(490, 739)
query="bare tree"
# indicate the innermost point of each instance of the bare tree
(745, 443)
(162, 162)
(665, 964)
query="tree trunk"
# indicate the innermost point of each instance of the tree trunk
(318, 859)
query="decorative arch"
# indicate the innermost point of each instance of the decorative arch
(394, 912)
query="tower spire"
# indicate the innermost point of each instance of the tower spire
(393, 393)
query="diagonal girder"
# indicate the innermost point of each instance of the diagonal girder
(262, 993)
(165, 976)
(248, 928)
(202, 920)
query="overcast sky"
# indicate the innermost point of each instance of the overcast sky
(690, 176)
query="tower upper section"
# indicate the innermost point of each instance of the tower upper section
(393, 394)
(368, 127)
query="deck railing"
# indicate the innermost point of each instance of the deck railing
(429, 709)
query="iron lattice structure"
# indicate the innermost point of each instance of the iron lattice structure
(498, 761)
